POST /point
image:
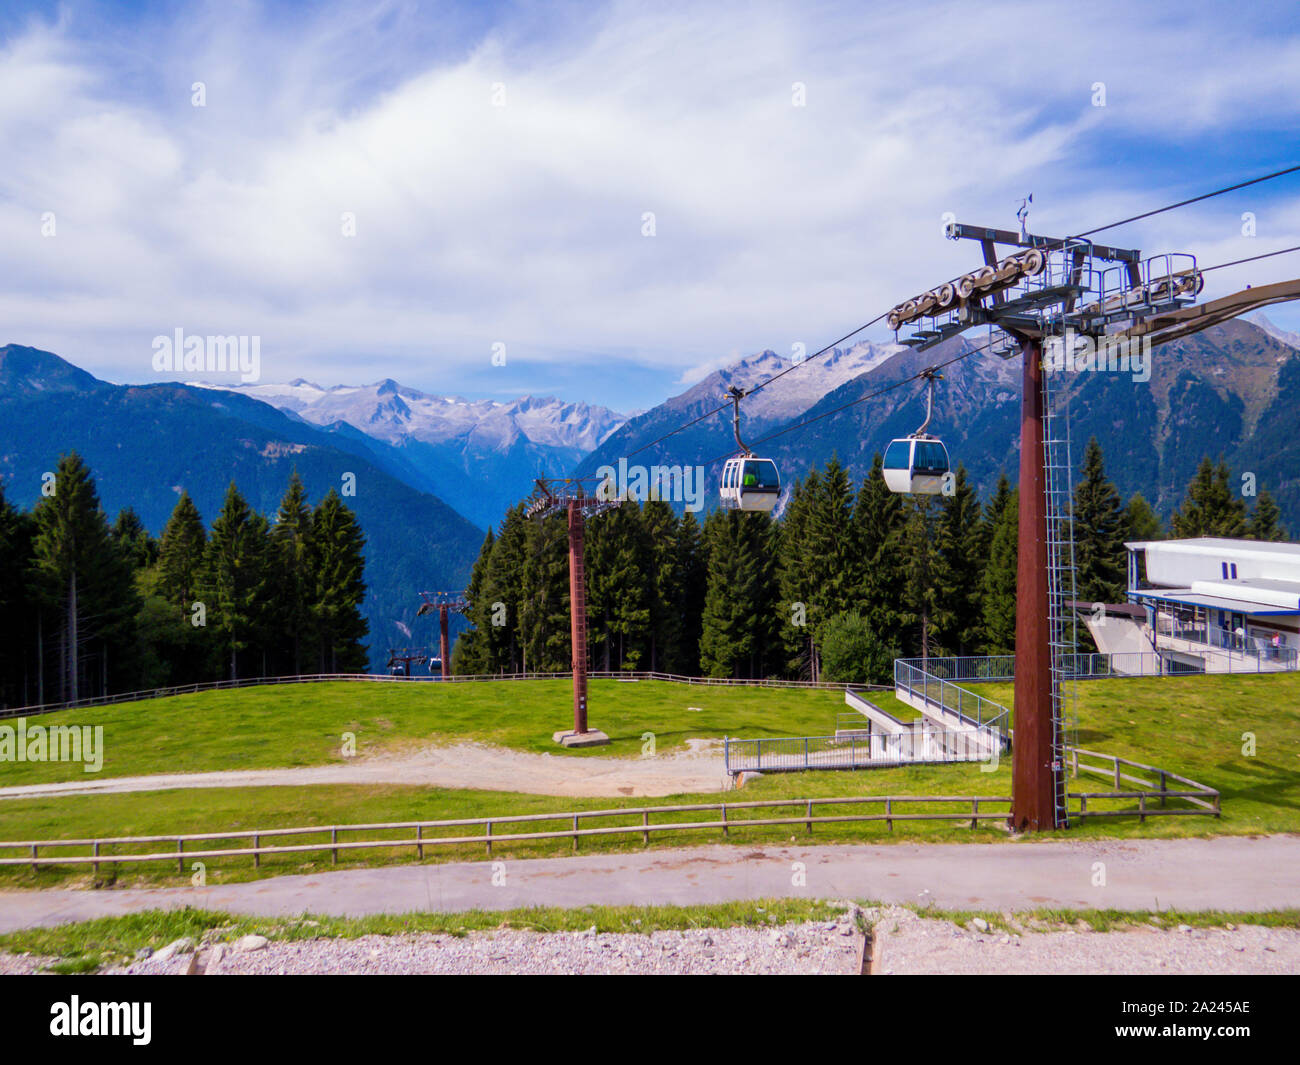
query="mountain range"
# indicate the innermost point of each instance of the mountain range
(482, 454)
(1230, 392)
(433, 471)
(145, 443)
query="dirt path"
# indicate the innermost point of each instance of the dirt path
(1227, 873)
(466, 765)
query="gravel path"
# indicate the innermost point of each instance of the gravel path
(905, 943)
(700, 768)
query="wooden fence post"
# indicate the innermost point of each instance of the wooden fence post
(334, 852)
(725, 830)
(974, 811)
(180, 861)
(257, 851)
(645, 821)
(889, 809)
(489, 838)
(575, 832)
(419, 842)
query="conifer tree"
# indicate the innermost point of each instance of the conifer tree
(339, 555)
(740, 625)
(180, 560)
(17, 607)
(619, 589)
(1266, 519)
(1141, 521)
(665, 635)
(133, 540)
(692, 581)
(85, 580)
(546, 645)
(959, 559)
(472, 653)
(294, 563)
(878, 527)
(1099, 531)
(999, 584)
(1210, 508)
(234, 583)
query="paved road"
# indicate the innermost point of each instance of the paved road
(1236, 873)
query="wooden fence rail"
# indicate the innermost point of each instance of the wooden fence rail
(971, 814)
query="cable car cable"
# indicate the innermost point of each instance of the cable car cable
(1046, 247)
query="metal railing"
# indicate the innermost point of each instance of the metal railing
(105, 851)
(323, 678)
(938, 691)
(852, 750)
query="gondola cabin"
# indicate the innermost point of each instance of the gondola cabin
(916, 465)
(750, 483)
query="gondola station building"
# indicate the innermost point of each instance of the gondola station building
(1207, 605)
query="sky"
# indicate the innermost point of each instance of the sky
(601, 202)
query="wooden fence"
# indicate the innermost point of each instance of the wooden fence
(974, 809)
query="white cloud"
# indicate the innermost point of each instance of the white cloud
(522, 224)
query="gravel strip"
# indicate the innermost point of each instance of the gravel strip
(905, 943)
(797, 948)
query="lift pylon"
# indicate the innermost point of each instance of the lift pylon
(578, 500)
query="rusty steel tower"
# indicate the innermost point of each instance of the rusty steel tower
(577, 500)
(445, 603)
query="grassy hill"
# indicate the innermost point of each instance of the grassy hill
(1193, 726)
(303, 724)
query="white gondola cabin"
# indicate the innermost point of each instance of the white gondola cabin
(916, 465)
(750, 483)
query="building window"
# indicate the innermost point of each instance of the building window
(1225, 570)
(1234, 571)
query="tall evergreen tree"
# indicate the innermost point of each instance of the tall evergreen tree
(921, 594)
(544, 621)
(85, 581)
(878, 528)
(959, 559)
(1099, 531)
(293, 556)
(692, 568)
(740, 624)
(619, 588)
(234, 585)
(1141, 522)
(17, 608)
(665, 578)
(1210, 508)
(339, 554)
(472, 654)
(180, 559)
(1266, 519)
(133, 540)
(999, 584)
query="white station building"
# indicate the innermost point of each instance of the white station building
(1206, 605)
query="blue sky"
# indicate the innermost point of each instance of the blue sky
(498, 160)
